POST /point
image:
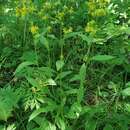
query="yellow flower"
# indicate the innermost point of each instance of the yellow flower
(60, 15)
(91, 27)
(34, 29)
(24, 11)
(67, 30)
(91, 6)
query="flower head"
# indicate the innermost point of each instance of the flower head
(34, 29)
(67, 30)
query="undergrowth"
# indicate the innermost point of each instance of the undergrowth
(64, 65)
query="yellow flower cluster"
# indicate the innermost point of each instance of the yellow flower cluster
(67, 30)
(97, 8)
(99, 12)
(24, 11)
(21, 11)
(60, 15)
(34, 29)
(25, 8)
(91, 27)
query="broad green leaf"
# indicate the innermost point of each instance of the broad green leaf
(71, 91)
(42, 110)
(29, 56)
(32, 81)
(51, 82)
(108, 127)
(59, 64)
(88, 39)
(45, 42)
(75, 78)
(126, 92)
(23, 65)
(102, 58)
(72, 34)
(63, 75)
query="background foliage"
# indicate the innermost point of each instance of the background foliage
(64, 64)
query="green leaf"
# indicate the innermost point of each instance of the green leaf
(90, 125)
(29, 56)
(82, 75)
(128, 84)
(82, 72)
(88, 39)
(59, 64)
(23, 65)
(102, 58)
(74, 111)
(51, 82)
(45, 42)
(72, 34)
(75, 78)
(32, 81)
(63, 75)
(5, 111)
(108, 127)
(60, 123)
(126, 92)
(48, 108)
(8, 101)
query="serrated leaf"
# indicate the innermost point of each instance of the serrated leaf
(5, 111)
(102, 57)
(8, 100)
